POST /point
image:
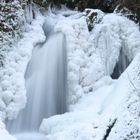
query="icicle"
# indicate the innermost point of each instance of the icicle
(29, 12)
(121, 65)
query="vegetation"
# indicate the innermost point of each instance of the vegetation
(133, 5)
(104, 5)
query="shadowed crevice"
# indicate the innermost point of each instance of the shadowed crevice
(109, 129)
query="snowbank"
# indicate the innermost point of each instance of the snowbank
(4, 135)
(76, 126)
(128, 122)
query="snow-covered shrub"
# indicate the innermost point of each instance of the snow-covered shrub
(11, 26)
(13, 93)
(14, 58)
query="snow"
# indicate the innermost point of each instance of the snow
(13, 93)
(93, 16)
(101, 47)
(4, 135)
(116, 32)
(128, 124)
(76, 126)
(30, 136)
(12, 26)
(96, 100)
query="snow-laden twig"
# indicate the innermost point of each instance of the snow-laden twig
(137, 91)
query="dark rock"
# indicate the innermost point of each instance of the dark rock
(93, 17)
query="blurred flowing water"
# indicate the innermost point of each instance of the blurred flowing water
(46, 84)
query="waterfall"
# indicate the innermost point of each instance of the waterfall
(46, 84)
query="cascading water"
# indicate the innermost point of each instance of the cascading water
(46, 86)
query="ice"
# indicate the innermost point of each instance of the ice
(95, 100)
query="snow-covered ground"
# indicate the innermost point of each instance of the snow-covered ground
(99, 107)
